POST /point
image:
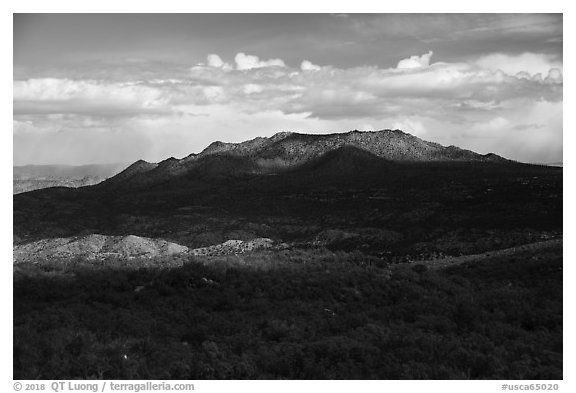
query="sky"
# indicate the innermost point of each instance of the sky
(104, 88)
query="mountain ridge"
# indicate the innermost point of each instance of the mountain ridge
(286, 151)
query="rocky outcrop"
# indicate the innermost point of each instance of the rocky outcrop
(232, 247)
(93, 247)
(99, 247)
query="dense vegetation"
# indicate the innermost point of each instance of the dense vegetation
(438, 207)
(338, 317)
(334, 301)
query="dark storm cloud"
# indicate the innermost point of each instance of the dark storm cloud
(343, 42)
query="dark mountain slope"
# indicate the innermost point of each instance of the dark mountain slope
(127, 174)
(222, 165)
(345, 160)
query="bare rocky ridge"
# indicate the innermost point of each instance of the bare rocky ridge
(232, 247)
(95, 246)
(99, 247)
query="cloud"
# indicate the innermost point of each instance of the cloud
(216, 62)
(214, 93)
(415, 61)
(252, 88)
(248, 62)
(475, 105)
(308, 66)
(411, 126)
(439, 89)
(525, 63)
(554, 76)
(50, 95)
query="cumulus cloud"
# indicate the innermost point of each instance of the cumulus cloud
(415, 61)
(309, 66)
(525, 64)
(248, 62)
(215, 61)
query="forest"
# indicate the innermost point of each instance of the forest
(333, 317)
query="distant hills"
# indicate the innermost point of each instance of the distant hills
(70, 171)
(557, 164)
(34, 177)
(286, 151)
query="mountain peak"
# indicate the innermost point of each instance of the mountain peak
(215, 147)
(141, 162)
(136, 168)
(281, 135)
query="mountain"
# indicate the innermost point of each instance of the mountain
(286, 151)
(290, 149)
